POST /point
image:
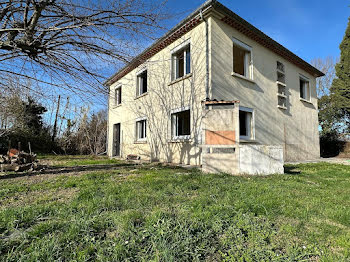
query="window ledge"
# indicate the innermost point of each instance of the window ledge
(144, 94)
(243, 77)
(180, 139)
(180, 79)
(140, 142)
(247, 140)
(306, 101)
(282, 107)
(280, 83)
(116, 106)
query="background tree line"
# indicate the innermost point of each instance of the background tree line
(23, 118)
(333, 92)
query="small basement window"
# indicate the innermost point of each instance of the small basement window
(141, 83)
(242, 59)
(141, 130)
(118, 96)
(304, 88)
(181, 124)
(246, 130)
(181, 62)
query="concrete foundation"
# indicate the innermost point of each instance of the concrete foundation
(261, 159)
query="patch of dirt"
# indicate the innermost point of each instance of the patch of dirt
(52, 172)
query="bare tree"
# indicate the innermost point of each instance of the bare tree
(327, 66)
(71, 44)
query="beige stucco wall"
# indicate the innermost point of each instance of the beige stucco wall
(162, 97)
(295, 128)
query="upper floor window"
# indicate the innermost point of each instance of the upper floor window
(118, 96)
(181, 62)
(304, 85)
(141, 130)
(242, 59)
(141, 83)
(280, 66)
(281, 75)
(181, 124)
(246, 123)
(281, 86)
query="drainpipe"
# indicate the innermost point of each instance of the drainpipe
(201, 142)
(206, 54)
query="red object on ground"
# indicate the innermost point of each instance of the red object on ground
(13, 152)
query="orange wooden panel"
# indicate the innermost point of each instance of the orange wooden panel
(220, 137)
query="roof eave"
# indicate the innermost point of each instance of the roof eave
(217, 6)
(205, 5)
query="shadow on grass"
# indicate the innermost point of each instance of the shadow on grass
(64, 170)
(291, 170)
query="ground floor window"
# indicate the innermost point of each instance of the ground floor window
(141, 130)
(246, 123)
(181, 124)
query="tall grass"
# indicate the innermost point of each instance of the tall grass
(171, 214)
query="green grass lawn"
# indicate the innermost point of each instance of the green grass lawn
(154, 213)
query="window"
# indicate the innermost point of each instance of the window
(281, 86)
(280, 66)
(118, 96)
(141, 130)
(242, 59)
(281, 77)
(181, 124)
(141, 83)
(246, 130)
(282, 101)
(181, 62)
(304, 88)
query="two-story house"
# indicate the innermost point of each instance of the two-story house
(218, 93)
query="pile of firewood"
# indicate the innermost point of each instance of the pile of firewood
(16, 160)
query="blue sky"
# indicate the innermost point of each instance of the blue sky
(309, 28)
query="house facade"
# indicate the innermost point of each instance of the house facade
(218, 93)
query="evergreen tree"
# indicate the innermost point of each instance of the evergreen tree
(33, 113)
(340, 90)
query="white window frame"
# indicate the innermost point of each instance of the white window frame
(174, 124)
(248, 61)
(140, 83)
(174, 64)
(251, 128)
(116, 103)
(137, 133)
(307, 80)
